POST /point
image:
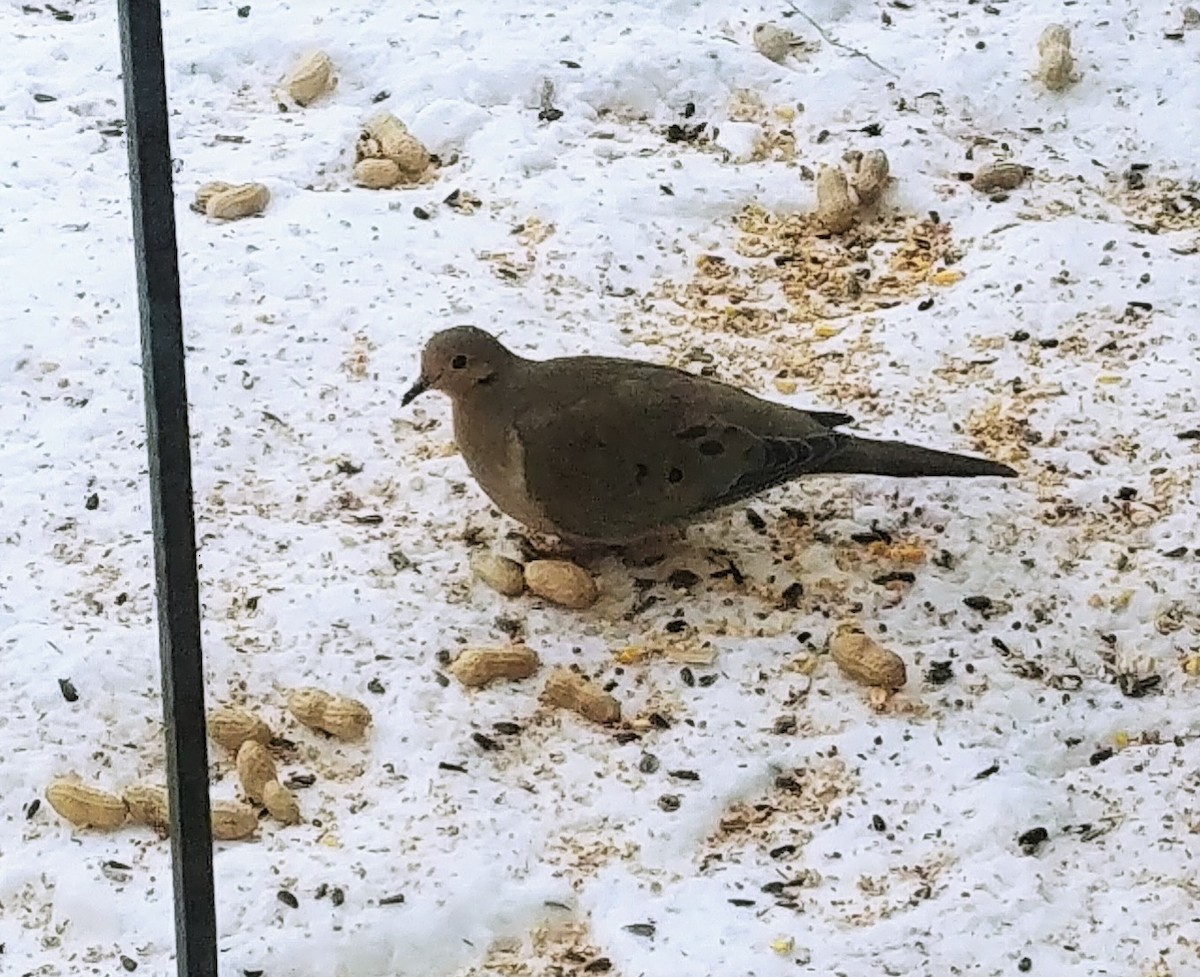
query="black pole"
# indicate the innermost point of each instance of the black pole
(170, 485)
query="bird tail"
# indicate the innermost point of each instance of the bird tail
(895, 459)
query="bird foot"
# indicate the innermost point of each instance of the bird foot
(651, 550)
(539, 546)
(645, 552)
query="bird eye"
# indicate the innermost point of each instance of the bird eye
(458, 362)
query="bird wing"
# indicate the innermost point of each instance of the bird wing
(618, 455)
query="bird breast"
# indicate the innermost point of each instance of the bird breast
(493, 453)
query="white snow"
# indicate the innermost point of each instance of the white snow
(304, 327)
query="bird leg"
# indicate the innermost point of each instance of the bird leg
(541, 546)
(643, 552)
(652, 549)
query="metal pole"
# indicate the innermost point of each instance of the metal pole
(170, 485)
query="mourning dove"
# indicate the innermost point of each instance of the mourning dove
(602, 450)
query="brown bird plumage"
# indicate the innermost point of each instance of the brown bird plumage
(608, 450)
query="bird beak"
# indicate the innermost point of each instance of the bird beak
(415, 391)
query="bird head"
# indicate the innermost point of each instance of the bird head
(457, 361)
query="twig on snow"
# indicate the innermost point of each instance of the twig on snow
(836, 43)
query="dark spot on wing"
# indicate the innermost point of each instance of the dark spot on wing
(779, 453)
(693, 432)
(712, 448)
(674, 475)
(772, 461)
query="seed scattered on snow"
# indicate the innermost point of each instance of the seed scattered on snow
(463, 201)
(979, 602)
(947, 276)
(486, 743)
(1033, 839)
(683, 579)
(939, 672)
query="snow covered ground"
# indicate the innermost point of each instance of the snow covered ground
(808, 832)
